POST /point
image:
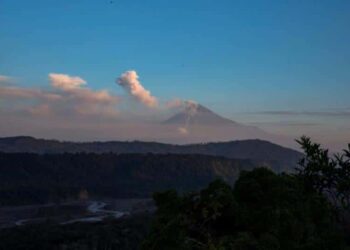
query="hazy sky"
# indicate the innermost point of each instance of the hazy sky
(281, 65)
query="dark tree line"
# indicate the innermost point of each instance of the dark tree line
(27, 178)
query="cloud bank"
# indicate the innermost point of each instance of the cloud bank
(344, 113)
(73, 86)
(66, 82)
(68, 96)
(11, 92)
(5, 79)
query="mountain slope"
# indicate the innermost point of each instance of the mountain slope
(196, 123)
(33, 178)
(199, 115)
(259, 151)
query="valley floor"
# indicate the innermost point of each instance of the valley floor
(72, 212)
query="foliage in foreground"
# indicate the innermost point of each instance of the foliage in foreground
(326, 175)
(263, 210)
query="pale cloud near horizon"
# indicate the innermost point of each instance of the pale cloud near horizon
(129, 80)
(66, 82)
(42, 110)
(338, 112)
(74, 86)
(69, 96)
(12, 92)
(5, 79)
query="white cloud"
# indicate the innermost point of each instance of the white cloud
(69, 96)
(73, 85)
(66, 82)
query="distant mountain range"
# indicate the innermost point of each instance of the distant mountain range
(40, 171)
(258, 151)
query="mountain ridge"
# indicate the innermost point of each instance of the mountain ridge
(29, 178)
(260, 151)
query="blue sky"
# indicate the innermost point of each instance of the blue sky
(236, 57)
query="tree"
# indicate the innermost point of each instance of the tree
(327, 175)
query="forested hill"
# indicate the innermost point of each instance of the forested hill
(261, 152)
(27, 178)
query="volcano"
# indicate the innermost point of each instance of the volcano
(199, 115)
(198, 123)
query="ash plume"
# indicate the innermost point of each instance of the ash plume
(129, 80)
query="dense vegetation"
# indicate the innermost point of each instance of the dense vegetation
(27, 178)
(261, 152)
(263, 210)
